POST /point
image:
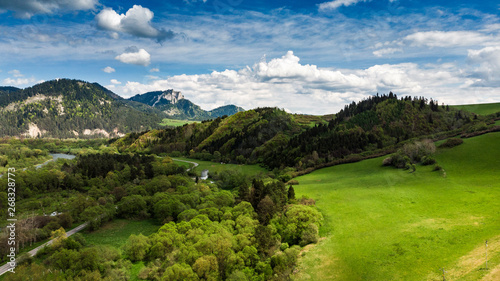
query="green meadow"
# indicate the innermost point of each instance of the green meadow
(175, 122)
(481, 109)
(115, 233)
(216, 167)
(387, 224)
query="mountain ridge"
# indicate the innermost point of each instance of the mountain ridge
(176, 106)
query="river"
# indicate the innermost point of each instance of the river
(55, 156)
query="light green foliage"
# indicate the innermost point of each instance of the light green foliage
(179, 272)
(136, 247)
(207, 267)
(299, 224)
(387, 224)
(175, 122)
(14, 153)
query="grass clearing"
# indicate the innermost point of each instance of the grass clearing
(176, 122)
(115, 233)
(481, 109)
(387, 224)
(214, 167)
(135, 269)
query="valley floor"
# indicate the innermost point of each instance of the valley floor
(387, 224)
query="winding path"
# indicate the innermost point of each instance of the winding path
(5, 267)
(194, 163)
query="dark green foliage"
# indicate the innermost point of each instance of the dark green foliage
(273, 138)
(99, 165)
(132, 206)
(451, 143)
(226, 110)
(428, 160)
(8, 89)
(291, 193)
(62, 106)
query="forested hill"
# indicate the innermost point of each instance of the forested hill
(65, 108)
(8, 89)
(277, 139)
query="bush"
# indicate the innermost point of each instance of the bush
(387, 161)
(437, 168)
(451, 143)
(412, 153)
(417, 150)
(428, 160)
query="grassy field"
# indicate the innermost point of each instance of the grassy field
(481, 109)
(175, 122)
(116, 232)
(213, 167)
(387, 224)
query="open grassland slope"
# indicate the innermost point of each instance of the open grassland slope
(387, 224)
(481, 109)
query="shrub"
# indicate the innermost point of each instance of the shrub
(451, 143)
(412, 153)
(428, 160)
(437, 168)
(417, 150)
(387, 161)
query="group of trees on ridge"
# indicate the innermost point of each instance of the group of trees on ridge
(273, 138)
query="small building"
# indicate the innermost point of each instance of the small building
(204, 174)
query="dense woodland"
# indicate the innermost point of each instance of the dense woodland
(72, 105)
(275, 139)
(234, 229)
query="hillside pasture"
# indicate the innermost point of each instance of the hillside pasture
(481, 109)
(382, 223)
(216, 167)
(176, 122)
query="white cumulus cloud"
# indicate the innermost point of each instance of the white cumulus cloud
(136, 21)
(115, 82)
(487, 61)
(284, 82)
(332, 5)
(139, 57)
(27, 8)
(16, 73)
(108, 69)
(446, 38)
(387, 51)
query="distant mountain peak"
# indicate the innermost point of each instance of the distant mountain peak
(170, 95)
(158, 98)
(173, 104)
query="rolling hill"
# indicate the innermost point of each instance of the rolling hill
(276, 139)
(383, 223)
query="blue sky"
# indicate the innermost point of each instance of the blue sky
(304, 56)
